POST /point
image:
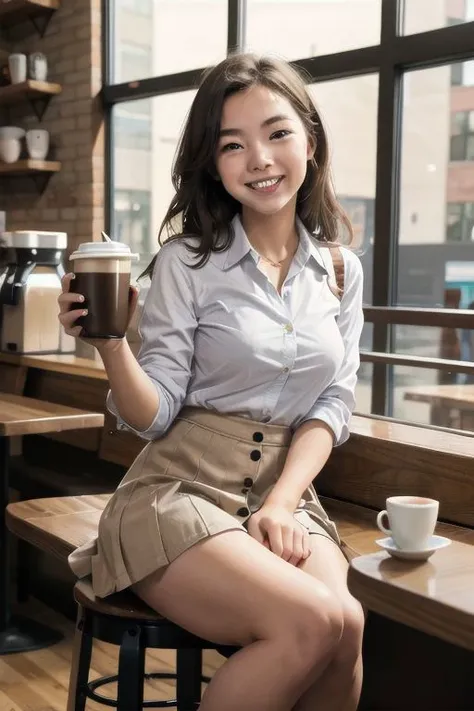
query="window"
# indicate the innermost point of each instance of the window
(460, 222)
(402, 169)
(462, 135)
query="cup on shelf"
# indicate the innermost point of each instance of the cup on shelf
(10, 149)
(10, 143)
(38, 66)
(37, 143)
(17, 66)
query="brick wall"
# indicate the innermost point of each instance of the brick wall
(74, 198)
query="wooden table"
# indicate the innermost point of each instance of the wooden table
(447, 397)
(24, 416)
(435, 596)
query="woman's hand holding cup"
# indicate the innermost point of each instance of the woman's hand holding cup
(98, 302)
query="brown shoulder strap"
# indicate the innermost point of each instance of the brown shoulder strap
(338, 262)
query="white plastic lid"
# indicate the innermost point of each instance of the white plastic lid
(99, 250)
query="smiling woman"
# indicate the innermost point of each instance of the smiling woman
(244, 383)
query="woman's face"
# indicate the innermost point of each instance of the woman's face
(263, 150)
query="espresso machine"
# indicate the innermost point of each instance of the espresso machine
(31, 268)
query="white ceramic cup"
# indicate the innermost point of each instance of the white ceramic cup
(411, 519)
(37, 142)
(10, 149)
(18, 68)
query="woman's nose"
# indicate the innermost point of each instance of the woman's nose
(260, 158)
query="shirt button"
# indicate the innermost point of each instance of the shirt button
(243, 511)
(248, 482)
(289, 328)
(286, 370)
(255, 455)
(257, 437)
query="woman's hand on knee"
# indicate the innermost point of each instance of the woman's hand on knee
(278, 530)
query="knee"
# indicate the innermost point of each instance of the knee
(316, 626)
(350, 645)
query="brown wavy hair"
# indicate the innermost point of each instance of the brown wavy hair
(201, 205)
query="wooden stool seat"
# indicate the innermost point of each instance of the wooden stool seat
(123, 604)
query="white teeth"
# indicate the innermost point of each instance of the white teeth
(265, 183)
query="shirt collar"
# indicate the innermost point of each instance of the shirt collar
(240, 247)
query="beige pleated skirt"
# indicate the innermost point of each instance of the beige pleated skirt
(206, 475)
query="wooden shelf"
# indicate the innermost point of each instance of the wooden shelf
(30, 89)
(29, 166)
(19, 10)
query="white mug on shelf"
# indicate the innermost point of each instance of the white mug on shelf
(37, 143)
(17, 65)
(10, 149)
(38, 66)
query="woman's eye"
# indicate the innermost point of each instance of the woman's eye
(280, 134)
(230, 147)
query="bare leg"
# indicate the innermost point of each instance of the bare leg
(232, 590)
(338, 689)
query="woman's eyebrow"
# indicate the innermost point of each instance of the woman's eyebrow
(267, 122)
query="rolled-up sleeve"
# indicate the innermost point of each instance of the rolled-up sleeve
(335, 404)
(166, 329)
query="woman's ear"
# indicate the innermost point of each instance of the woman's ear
(311, 149)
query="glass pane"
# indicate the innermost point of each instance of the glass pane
(349, 114)
(167, 36)
(436, 185)
(306, 28)
(457, 149)
(425, 397)
(364, 389)
(470, 148)
(145, 135)
(425, 15)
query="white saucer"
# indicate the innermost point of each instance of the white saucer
(435, 544)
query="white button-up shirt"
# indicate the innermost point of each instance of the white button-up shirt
(222, 337)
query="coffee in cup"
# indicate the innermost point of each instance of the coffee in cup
(102, 272)
(411, 519)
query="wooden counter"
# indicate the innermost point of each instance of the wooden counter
(67, 364)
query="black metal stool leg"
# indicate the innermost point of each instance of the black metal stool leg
(188, 679)
(131, 671)
(22, 571)
(81, 661)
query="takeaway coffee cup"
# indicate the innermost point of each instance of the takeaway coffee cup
(102, 272)
(412, 521)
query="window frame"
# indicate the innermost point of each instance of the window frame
(395, 55)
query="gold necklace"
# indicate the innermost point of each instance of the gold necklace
(274, 264)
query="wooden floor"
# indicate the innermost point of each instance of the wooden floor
(38, 681)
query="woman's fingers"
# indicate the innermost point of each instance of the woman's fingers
(66, 281)
(68, 318)
(66, 299)
(297, 548)
(132, 302)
